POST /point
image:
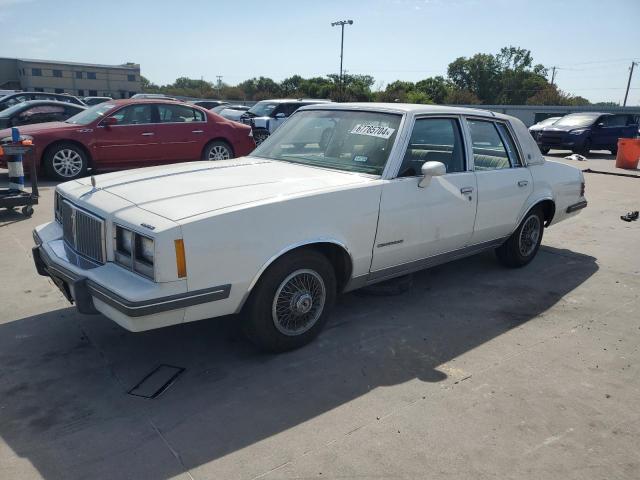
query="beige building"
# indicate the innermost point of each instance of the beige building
(80, 79)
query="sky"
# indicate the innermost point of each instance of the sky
(592, 42)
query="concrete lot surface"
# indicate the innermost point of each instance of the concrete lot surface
(477, 372)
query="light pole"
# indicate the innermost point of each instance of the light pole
(342, 23)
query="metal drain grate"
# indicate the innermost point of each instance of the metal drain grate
(156, 382)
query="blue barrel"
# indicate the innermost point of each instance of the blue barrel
(14, 164)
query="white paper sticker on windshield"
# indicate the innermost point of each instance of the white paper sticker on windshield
(373, 130)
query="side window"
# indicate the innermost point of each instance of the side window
(510, 144)
(179, 114)
(292, 107)
(615, 121)
(134, 115)
(41, 114)
(489, 151)
(433, 139)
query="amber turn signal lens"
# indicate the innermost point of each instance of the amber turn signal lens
(1, 152)
(27, 142)
(181, 261)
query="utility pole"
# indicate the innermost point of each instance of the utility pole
(633, 64)
(341, 23)
(219, 84)
(553, 74)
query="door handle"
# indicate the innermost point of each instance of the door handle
(466, 190)
(148, 134)
(523, 183)
(197, 131)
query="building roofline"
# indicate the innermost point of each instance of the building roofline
(133, 66)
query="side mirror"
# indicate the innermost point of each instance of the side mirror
(429, 170)
(110, 121)
(600, 124)
(281, 115)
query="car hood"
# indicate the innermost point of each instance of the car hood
(183, 190)
(40, 128)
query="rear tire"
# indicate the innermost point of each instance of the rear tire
(544, 150)
(217, 150)
(65, 161)
(289, 305)
(522, 246)
(614, 150)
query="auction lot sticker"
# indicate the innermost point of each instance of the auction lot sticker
(373, 130)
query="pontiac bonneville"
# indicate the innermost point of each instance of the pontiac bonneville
(340, 197)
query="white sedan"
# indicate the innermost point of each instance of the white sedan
(342, 196)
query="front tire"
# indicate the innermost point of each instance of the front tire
(522, 246)
(289, 306)
(260, 135)
(65, 161)
(217, 150)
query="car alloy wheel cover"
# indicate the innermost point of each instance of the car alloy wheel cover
(219, 152)
(529, 235)
(298, 302)
(67, 163)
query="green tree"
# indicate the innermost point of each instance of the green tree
(436, 88)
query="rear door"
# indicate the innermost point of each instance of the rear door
(131, 142)
(504, 184)
(181, 132)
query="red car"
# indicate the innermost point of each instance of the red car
(132, 133)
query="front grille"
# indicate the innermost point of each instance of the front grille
(83, 232)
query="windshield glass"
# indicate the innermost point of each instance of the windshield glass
(91, 114)
(576, 120)
(263, 109)
(338, 139)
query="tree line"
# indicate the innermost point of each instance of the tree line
(509, 77)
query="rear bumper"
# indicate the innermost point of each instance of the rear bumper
(577, 206)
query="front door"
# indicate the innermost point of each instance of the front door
(504, 184)
(131, 142)
(419, 222)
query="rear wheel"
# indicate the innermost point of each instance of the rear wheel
(614, 150)
(217, 150)
(289, 305)
(523, 244)
(65, 161)
(544, 150)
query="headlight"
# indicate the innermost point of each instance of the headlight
(578, 132)
(134, 251)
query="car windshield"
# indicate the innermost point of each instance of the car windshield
(262, 109)
(91, 114)
(576, 120)
(338, 139)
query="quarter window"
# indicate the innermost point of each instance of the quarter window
(489, 151)
(510, 144)
(433, 140)
(179, 114)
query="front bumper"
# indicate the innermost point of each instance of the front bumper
(92, 297)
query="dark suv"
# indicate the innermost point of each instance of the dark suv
(583, 132)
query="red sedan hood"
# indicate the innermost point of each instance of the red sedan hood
(40, 128)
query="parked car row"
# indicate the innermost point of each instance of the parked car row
(124, 134)
(583, 132)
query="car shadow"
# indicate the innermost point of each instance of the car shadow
(65, 376)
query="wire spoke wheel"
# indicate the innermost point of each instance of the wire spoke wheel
(219, 152)
(529, 235)
(67, 163)
(298, 302)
